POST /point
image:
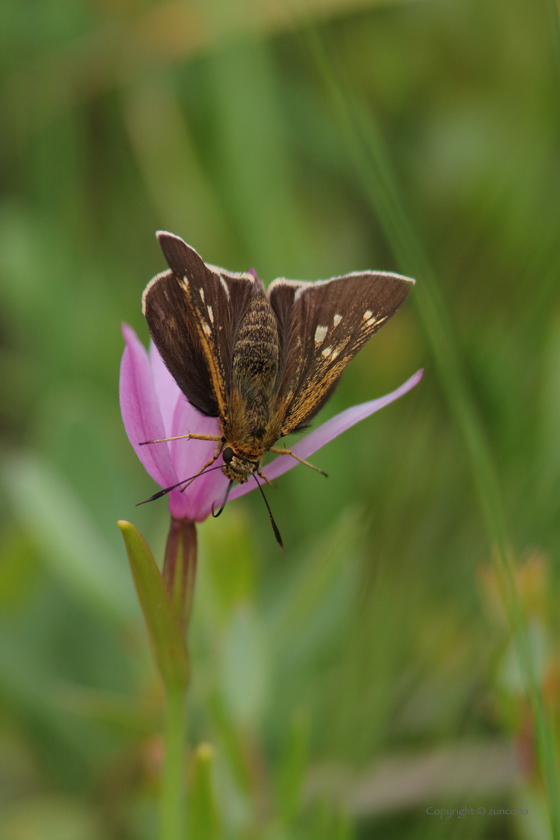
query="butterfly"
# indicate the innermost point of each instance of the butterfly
(262, 361)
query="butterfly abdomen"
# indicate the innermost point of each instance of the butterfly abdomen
(255, 364)
(256, 349)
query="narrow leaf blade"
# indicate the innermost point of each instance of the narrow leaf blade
(163, 625)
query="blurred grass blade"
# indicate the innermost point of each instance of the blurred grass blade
(372, 163)
(247, 90)
(554, 9)
(297, 614)
(230, 740)
(166, 636)
(67, 536)
(374, 167)
(245, 667)
(168, 160)
(292, 769)
(203, 821)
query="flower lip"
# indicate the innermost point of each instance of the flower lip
(153, 407)
(328, 431)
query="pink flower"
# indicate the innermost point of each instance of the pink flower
(153, 407)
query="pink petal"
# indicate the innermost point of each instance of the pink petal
(140, 411)
(167, 391)
(327, 432)
(189, 456)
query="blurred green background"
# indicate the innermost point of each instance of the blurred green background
(367, 674)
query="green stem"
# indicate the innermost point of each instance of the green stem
(163, 600)
(172, 782)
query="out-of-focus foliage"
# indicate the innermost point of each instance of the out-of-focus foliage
(366, 674)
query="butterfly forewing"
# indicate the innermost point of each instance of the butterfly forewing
(192, 312)
(323, 326)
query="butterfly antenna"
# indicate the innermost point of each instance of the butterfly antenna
(164, 492)
(222, 506)
(272, 522)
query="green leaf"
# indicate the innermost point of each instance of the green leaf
(202, 816)
(163, 625)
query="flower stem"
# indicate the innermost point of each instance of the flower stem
(179, 572)
(171, 814)
(179, 566)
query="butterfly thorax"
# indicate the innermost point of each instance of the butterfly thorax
(255, 365)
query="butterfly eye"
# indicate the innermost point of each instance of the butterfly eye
(227, 455)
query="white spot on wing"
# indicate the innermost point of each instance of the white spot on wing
(320, 334)
(210, 313)
(207, 328)
(367, 314)
(337, 319)
(202, 294)
(185, 283)
(327, 352)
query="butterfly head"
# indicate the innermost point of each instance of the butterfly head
(237, 467)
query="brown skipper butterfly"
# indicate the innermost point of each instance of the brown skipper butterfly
(263, 361)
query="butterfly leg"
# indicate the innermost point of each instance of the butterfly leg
(263, 476)
(184, 437)
(207, 464)
(293, 454)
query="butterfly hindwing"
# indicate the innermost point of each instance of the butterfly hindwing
(323, 326)
(191, 312)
